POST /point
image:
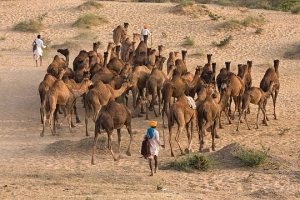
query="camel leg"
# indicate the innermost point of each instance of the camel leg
(237, 128)
(257, 117)
(109, 146)
(76, 114)
(119, 140)
(94, 146)
(264, 113)
(128, 152)
(44, 124)
(265, 105)
(189, 136)
(213, 131)
(179, 130)
(97, 109)
(170, 139)
(159, 104)
(274, 103)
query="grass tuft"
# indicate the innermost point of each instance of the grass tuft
(251, 158)
(193, 162)
(89, 5)
(31, 25)
(188, 41)
(89, 21)
(224, 42)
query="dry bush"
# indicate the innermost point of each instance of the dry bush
(293, 53)
(89, 20)
(90, 5)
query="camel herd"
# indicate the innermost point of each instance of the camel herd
(105, 81)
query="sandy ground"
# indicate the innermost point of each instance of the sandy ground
(60, 167)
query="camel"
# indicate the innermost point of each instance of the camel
(65, 97)
(110, 52)
(255, 96)
(176, 87)
(159, 62)
(128, 45)
(55, 65)
(94, 56)
(208, 65)
(139, 77)
(171, 60)
(66, 53)
(222, 75)
(45, 86)
(114, 116)
(137, 111)
(271, 75)
(99, 96)
(181, 64)
(120, 33)
(72, 84)
(81, 70)
(154, 86)
(233, 86)
(207, 115)
(116, 64)
(81, 57)
(151, 56)
(184, 115)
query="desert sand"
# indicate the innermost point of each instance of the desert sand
(59, 167)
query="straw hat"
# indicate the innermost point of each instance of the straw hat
(153, 123)
(145, 26)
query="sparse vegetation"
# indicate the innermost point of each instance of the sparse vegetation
(214, 16)
(193, 162)
(224, 42)
(88, 5)
(89, 20)
(188, 41)
(296, 9)
(250, 21)
(31, 25)
(184, 3)
(259, 30)
(251, 157)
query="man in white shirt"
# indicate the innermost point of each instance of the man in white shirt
(144, 31)
(38, 50)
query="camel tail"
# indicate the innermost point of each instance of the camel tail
(98, 125)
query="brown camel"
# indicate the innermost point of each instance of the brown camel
(45, 86)
(81, 57)
(110, 52)
(137, 111)
(116, 64)
(120, 33)
(154, 86)
(233, 86)
(114, 116)
(66, 53)
(159, 62)
(208, 65)
(208, 114)
(181, 64)
(175, 88)
(99, 96)
(171, 60)
(55, 65)
(272, 74)
(255, 96)
(65, 97)
(181, 113)
(222, 75)
(94, 56)
(127, 46)
(139, 77)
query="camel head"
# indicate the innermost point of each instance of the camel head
(111, 45)
(126, 24)
(128, 83)
(64, 52)
(96, 46)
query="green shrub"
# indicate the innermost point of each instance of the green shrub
(203, 1)
(89, 20)
(193, 162)
(251, 157)
(253, 21)
(231, 24)
(188, 41)
(31, 25)
(295, 9)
